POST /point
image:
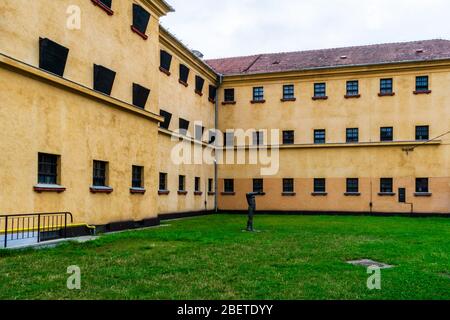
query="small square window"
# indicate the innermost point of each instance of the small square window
(320, 90)
(423, 133)
(422, 185)
(137, 177)
(386, 185)
(320, 185)
(288, 185)
(387, 134)
(386, 86)
(352, 185)
(163, 181)
(319, 136)
(229, 185)
(422, 84)
(258, 185)
(100, 173)
(352, 88)
(288, 92)
(352, 135)
(229, 95)
(181, 183)
(48, 168)
(258, 94)
(289, 137)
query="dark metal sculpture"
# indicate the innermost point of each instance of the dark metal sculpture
(251, 209)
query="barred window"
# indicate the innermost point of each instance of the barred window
(386, 86)
(229, 185)
(258, 93)
(288, 92)
(320, 89)
(288, 185)
(422, 83)
(162, 181)
(423, 133)
(288, 137)
(137, 177)
(352, 135)
(47, 168)
(422, 185)
(319, 185)
(258, 185)
(352, 88)
(229, 95)
(99, 175)
(386, 185)
(181, 183)
(352, 185)
(319, 136)
(387, 134)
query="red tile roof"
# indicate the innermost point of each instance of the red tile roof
(333, 58)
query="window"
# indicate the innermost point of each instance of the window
(199, 130)
(288, 185)
(288, 137)
(140, 20)
(386, 86)
(387, 134)
(103, 79)
(288, 92)
(167, 118)
(386, 185)
(165, 62)
(163, 181)
(352, 88)
(100, 172)
(197, 184)
(210, 185)
(422, 84)
(105, 5)
(183, 126)
(423, 133)
(229, 185)
(258, 185)
(47, 168)
(137, 177)
(422, 185)
(140, 95)
(319, 186)
(258, 138)
(258, 94)
(228, 139)
(320, 90)
(52, 56)
(352, 135)
(229, 95)
(184, 74)
(199, 83)
(352, 185)
(319, 136)
(181, 183)
(212, 93)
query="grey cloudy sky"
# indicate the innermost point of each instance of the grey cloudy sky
(224, 28)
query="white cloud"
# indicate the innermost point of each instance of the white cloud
(243, 27)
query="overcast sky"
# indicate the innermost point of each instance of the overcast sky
(225, 28)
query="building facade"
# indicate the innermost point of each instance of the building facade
(96, 96)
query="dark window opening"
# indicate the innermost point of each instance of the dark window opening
(162, 181)
(167, 118)
(103, 79)
(52, 56)
(47, 168)
(422, 83)
(199, 83)
(386, 185)
(320, 185)
(352, 135)
(197, 184)
(212, 93)
(210, 185)
(352, 185)
(320, 90)
(288, 185)
(137, 177)
(319, 136)
(288, 92)
(181, 183)
(258, 94)
(140, 19)
(387, 134)
(229, 185)
(386, 86)
(352, 88)
(100, 171)
(165, 60)
(288, 137)
(140, 95)
(183, 126)
(423, 133)
(184, 73)
(107, 3)
(229, 95)
(422, 185)
(258, 185)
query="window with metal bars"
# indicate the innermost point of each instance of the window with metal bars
(423, 133)
(352, 185)
(422, 83)
(163, 181)
(320, 90)
(386, 86)
(47, 168)
(182, 183)
(99, 175)
(386, 185)
(387, 134)
(258, 94)
(229, 95)
(288, 137)
(288, 185)
(352, 88)
(352, 135)
(258, 185)
(229, 185)
(320, 185)
(137, 177)
(422, 185)
(288, 91)
(319, 136)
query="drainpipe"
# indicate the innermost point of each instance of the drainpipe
(216, 125)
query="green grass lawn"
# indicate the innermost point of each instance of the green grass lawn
(293, 257)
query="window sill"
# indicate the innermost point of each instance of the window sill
(257, 101)
(137, 191)
(352, 96)
(227, 103)
(228, 193)
(163, 192)
(211, 100)
(320, 98)
(387, 194)
(423, 194)
(182, 193)
(142, 35)
(289, 194)
(199, 93)
(49, 188)
(211, 193)
(288, 100)
(183, 83)
(319, 194)
(198, 193)
(386, 94)
(352, 194)
(166, 72)
(422, 92)
(102, 6)
(106, 190)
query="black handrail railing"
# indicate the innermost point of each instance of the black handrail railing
(39, 226)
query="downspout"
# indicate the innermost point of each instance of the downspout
(216, 168)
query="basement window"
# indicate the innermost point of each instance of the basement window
(183, 126)
(184, 75)
(288, 185)
(258, 185)
(140, 21)
(52, 56)
(422, 185)
(229, 186)
(319, 185)
(167, 118)
(103, 79)
(386, 185)
(165, 62)
(212, 94)
(352, 185)
(140, 95)
(105, 5)
(199, 83)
